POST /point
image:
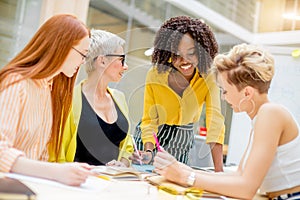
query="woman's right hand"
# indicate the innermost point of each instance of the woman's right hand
(73, 174)
(141, 157)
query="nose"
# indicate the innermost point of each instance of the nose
(125, 66)
(182, 59)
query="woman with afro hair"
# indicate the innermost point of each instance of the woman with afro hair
(177, 87)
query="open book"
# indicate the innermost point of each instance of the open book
(12, 189)
(166, 185)
(119, 173)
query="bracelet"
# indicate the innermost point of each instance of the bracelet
(152, 155)
(191, 179)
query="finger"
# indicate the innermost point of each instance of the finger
(162, 162)
(86, 166)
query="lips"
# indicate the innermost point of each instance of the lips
(186, 67)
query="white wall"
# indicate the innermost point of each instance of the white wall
(285, 89)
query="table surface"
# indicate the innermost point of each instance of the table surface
(96, 188)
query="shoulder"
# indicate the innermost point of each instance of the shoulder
(13, 77)
(272, 107)
(152, 72)
(274, 113)
(154, 76)
(14, 80)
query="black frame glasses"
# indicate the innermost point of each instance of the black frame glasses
(83, 56)
(118, 55)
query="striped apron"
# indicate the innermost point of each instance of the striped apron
(177, 140)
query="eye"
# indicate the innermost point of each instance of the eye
(192, 53)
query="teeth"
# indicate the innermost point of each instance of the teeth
(185, 67)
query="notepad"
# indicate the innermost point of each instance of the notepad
(118, 173)
(143, 168)
(12, 189)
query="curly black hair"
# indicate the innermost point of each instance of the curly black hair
(169, 35)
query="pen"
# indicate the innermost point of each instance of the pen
(135, 148)
(157, 142)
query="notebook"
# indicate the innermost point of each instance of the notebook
(12, 189)
(119, 173)
(143, 168)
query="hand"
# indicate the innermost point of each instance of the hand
(116, 163)
(141, 157)
(73, 174)
(166, 165)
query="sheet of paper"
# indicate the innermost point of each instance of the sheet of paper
(91, 184)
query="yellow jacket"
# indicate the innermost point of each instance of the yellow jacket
(69, 140)
(163, 106)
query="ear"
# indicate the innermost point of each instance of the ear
(249, 92)
(100, 60)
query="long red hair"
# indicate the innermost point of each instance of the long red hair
(42, 57)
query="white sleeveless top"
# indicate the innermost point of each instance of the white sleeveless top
(284, 171)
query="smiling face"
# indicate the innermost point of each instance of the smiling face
(76, 57)
(186, 60)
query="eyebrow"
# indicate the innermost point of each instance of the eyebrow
(192, 48)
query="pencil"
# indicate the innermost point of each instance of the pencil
(135, 148)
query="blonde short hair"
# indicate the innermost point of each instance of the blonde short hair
(246, 65)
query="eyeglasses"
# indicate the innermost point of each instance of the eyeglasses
(83, 56)
(118, 55)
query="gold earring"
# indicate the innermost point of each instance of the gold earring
(170, 60)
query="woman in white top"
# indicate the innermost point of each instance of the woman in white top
(271, 161)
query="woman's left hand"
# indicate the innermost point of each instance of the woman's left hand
(116, 163)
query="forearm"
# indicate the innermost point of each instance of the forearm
(125, 161)
(225, 184)
(217, 156)
(148, 146)
(35, 168)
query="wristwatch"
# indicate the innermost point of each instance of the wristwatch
(152, 155)
(191, 179)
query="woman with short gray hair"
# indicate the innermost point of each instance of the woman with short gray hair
(97, 129)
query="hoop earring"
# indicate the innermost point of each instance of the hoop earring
(252, 102)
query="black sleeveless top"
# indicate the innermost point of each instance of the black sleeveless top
(97, 141)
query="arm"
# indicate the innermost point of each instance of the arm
(149, 123)
(214, 123)
(217, 156)
(68, 173)
(268, 129)
(126, 151)
(13, 159)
